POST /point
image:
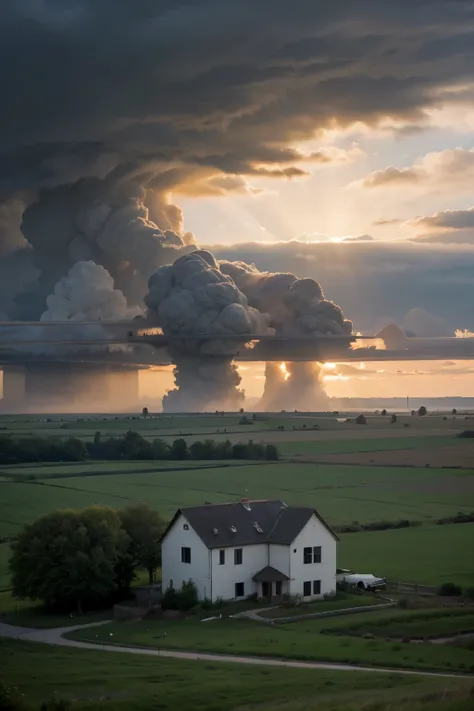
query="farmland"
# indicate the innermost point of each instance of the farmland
(126, 682)
(343, 492)
(355, 477)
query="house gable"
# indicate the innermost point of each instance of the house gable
(247, 523)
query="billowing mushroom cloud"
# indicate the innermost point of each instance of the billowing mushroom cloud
(105, 221)
(297, 307)
(190, 299)
(87, 293)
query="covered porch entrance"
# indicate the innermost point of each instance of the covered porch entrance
(271, 583)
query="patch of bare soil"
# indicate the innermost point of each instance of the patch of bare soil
(451, 456)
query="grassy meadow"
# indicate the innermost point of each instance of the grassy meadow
(322, 639)
(126, 682)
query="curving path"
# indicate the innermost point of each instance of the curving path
(55, 637)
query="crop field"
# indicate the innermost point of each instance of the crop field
(344, 492)
(341, 493)
(345, 446)
(128, 682)
(459, 455)
(266, 426)
(427, 555)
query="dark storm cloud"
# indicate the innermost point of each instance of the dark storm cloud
(375, 281)
(86, 85)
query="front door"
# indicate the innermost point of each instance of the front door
(266, 590)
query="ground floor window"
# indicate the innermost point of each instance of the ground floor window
(307, 588)
(239, 589)
(278, 587)
(316, 587)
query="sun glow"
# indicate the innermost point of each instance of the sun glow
(284, 370)
(329, 366)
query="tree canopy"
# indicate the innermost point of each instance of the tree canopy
(144, 528)
(130, 446)
(71, 558)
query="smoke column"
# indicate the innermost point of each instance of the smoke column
(296, 307)
(192, 298)
(299, 388)
(103, 221)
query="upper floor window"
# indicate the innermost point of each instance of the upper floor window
(238, 556)
(312, 554)
(185, 555)
(221, 557)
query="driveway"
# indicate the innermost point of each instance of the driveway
(55, 637)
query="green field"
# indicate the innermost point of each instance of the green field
(340, 601)
(380, 444)
(126, 682)
(341, 493)
(429, 555)
(302, 639)
(418, 625)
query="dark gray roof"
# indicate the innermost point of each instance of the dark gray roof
(278, 523)
(270, 575)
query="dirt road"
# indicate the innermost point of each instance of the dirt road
(55, 637)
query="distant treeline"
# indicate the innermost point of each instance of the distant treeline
(131, 446)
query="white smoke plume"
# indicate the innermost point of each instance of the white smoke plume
(191, 299)
(104, 221)
(87, 293)
(297, 307)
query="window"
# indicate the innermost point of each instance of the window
(185, 555)
(238, 556)
(312, 555)
(307, 588)
(239, 589)
(185, 526)
(316, 587)
(221, 557)
(278, 587)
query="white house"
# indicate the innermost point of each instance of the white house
(239, 549)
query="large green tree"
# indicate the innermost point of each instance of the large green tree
(145, 528)
(72, 558)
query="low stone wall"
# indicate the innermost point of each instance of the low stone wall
(331, 613)
(130, 612)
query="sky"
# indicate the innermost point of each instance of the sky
(334, 140)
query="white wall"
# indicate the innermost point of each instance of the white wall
(224, 577)
(280, 558)
(199, 570)
(313, 534)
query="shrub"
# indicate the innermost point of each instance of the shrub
(169, 601)
(450, 590)
(460, 517)
(469, 593)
